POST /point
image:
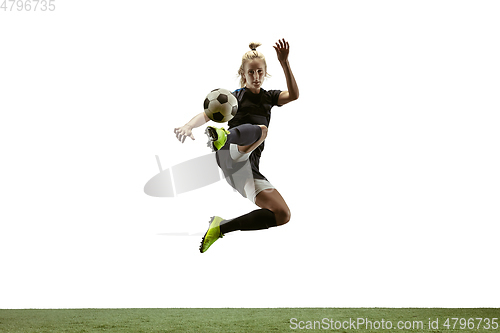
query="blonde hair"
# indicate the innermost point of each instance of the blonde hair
(250, 55)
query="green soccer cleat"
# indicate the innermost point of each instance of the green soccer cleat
(213, 233)
(217, 137)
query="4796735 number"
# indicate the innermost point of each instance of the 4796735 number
(28, 5)
(471, 323)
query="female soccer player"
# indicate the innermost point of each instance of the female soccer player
(238, 149)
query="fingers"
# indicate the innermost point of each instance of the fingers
(182, 134)
(179, 134)
(281, 44)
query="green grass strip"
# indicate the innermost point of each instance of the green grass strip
(357, 320)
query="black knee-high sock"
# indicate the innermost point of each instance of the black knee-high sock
(256, 220)
(244, 135)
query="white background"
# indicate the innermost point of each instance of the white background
(389, 160)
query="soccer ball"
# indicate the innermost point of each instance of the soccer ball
(220, 105)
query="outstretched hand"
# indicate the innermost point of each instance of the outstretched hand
(282, 49)
(183, 132)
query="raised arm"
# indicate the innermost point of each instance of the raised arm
(282, 50)
(186, 131)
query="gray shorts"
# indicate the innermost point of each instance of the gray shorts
(243, 180)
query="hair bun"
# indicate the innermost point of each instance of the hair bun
(253, 46)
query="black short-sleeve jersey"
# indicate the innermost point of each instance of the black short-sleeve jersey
(253, 108)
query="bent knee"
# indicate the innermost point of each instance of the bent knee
(282, 216)
(264, 130)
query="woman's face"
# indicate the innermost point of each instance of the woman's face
(255, 72)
